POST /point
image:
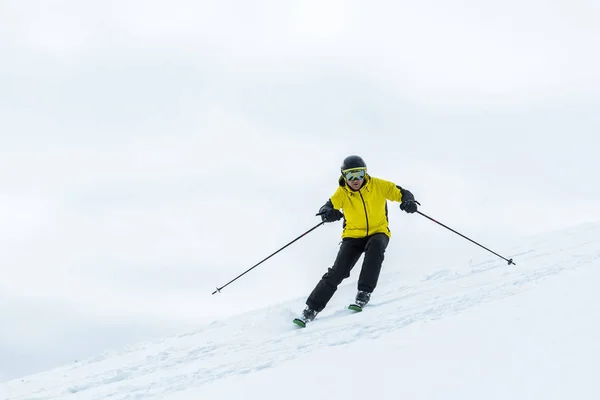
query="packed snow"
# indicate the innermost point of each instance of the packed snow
(486, 330)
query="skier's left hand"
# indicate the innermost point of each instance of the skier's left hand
(409, 206)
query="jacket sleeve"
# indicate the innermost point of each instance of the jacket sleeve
(335, 201)
(389, 190)
(394, 192)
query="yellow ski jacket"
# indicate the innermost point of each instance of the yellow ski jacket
(365, 210)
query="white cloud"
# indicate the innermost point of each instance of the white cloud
(436, 52)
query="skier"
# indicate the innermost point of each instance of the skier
(363, 199)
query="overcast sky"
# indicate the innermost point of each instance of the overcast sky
(151, 151)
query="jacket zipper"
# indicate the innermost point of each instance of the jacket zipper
(366, 215)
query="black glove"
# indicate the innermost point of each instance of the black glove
(410, 206)
(330, 215)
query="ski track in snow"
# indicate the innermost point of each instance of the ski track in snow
(267, 338)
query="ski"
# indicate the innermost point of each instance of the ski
(299, 322)
(302, 323)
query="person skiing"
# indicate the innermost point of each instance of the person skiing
(363, 198)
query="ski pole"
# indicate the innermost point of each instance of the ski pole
(437, 222)
(257, 264)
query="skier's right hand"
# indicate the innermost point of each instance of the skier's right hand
(331, 215)
(409, 206)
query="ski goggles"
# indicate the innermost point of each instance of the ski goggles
(355, 174)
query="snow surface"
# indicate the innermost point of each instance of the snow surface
(480, 331)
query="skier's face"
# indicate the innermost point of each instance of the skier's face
(355, 177)
(356, 184)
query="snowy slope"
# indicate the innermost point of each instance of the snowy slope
(483, 331)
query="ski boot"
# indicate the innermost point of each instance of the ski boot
(362, 298)
(307, 316)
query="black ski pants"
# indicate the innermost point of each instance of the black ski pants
(350, 251)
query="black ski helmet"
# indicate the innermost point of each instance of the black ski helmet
(353, 162)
